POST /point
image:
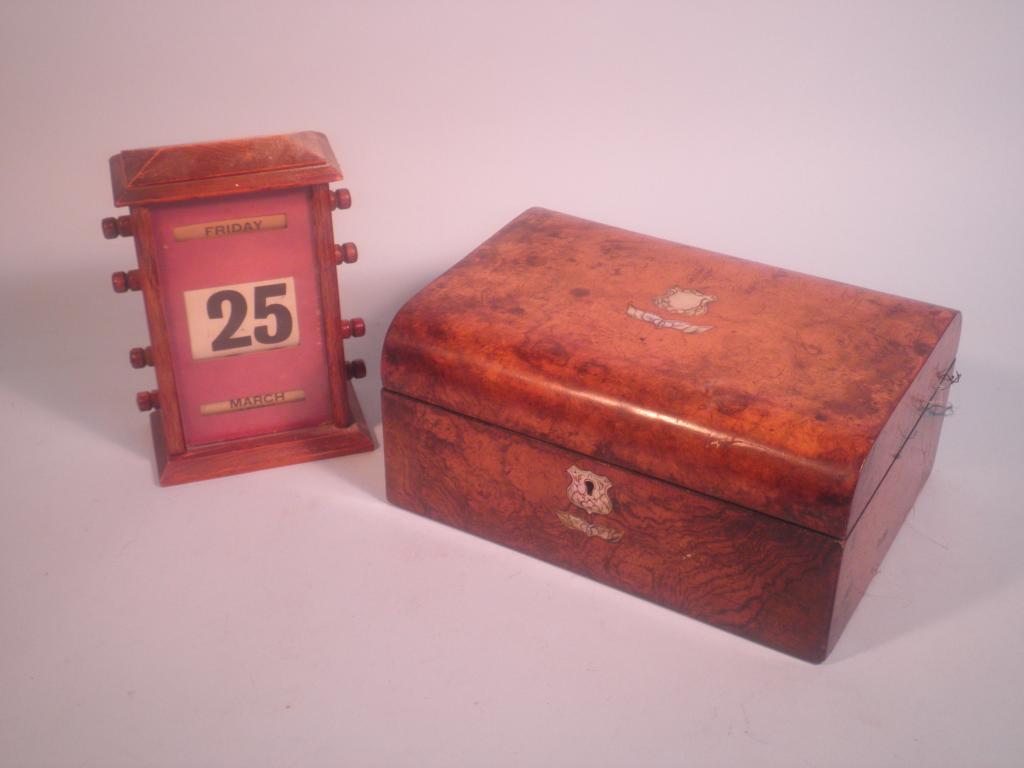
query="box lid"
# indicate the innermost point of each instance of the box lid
(187, 171)
(777, 391)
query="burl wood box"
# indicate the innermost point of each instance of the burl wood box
(733, 441)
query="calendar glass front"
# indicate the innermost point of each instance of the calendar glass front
(240, 287)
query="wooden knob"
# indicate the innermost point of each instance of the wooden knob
(119, 226)
(341, 199)
(346, 254)
(140, 357)
(126, 281)
(354, 327)
(355, 369)
(147, 401)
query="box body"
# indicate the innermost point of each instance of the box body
(733, 441)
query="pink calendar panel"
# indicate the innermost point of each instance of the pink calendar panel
(240, 286)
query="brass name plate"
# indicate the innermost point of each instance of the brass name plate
(231, 227)
(252, 401)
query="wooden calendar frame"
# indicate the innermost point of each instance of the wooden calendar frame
(143, 179)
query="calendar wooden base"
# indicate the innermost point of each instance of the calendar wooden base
(263, 452)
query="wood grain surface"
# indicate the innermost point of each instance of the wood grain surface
(751, 574)
(868, 543)
(793, 402)
(765, 433)
(774, 582)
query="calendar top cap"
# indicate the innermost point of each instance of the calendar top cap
(214, 169)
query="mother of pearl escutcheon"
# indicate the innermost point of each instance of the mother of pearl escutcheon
(588, 491)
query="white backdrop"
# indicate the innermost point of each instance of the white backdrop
(292, 617)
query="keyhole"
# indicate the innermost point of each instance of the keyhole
(589, 484)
